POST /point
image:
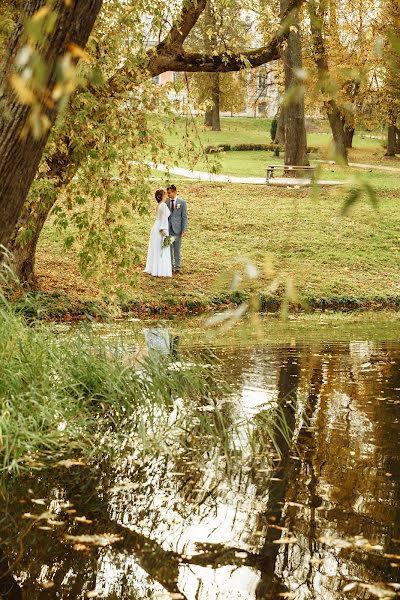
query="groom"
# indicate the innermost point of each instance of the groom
(177, 225)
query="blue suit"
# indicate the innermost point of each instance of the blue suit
(177, 225)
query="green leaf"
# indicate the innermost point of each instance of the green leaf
(351, 198)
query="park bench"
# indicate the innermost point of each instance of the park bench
(286, 169)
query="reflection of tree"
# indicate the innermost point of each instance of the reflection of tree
(336, 484)
(9, 588)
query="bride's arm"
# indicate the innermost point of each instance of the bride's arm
(163, 219)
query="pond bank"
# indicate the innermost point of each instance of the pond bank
(58, 306)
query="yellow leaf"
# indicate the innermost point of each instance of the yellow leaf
(78, 52)
(24, 93)
(57, 92)
(41, 13)
(68, 3)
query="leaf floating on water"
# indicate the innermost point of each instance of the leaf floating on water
(286, 540)
(105, 539)
(82, 520)
(168, 596)
(349, 586)
(46, 585)
(80, 547)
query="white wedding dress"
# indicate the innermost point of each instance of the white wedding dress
(159, 262)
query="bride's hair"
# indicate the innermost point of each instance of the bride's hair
(159, 194)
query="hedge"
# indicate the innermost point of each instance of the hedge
(239, 147)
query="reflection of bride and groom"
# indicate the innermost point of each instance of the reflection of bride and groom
(164, 253)
(159, 341)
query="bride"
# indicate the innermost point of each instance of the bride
(158, 261)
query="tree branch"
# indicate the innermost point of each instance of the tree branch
(169, 55)
(181, 29)
(219, 63)
(161, 58)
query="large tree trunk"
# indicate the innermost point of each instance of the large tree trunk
(295, 130)
(20, 158)
(61, 166)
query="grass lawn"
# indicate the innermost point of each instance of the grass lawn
(292, 236)
(238, 130)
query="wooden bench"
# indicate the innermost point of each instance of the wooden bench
(286, 169)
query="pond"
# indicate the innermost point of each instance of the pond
(321, 521)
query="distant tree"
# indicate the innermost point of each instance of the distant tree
(294, 119)
(391, 14)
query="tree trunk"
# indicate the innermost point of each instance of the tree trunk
(397, 140)
(9, 588)
(336, 122)
(208, 118)
(20, 158)
(335, 116)
(392, 134)
(295, 130)
(348, 135)
(215, 95)
(280, 130)
(211, 117)
(391, 141)
(23, 254)
(60, 168)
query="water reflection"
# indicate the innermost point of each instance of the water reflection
(321, 523)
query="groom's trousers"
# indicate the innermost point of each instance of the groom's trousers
(176, 252)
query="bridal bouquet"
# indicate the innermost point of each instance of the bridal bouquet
(168, 240)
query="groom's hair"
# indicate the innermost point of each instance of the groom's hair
(172, 187)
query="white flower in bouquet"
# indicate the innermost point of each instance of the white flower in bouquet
(168, 240)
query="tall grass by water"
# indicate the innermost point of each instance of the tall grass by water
(76, 397)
